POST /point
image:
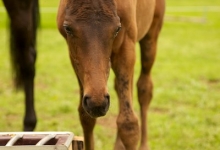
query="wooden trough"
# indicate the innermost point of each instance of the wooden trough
(40, 141)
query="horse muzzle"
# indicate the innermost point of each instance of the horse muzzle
(96, 107)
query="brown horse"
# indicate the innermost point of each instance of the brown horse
(24, 17)
(91, 29)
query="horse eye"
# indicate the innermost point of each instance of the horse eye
(67, 29)
(117, 30)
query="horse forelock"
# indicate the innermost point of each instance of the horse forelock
(88, 9)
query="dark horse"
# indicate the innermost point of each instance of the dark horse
(91, 29)
(24, 18)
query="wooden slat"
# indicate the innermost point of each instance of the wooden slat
(78, 143)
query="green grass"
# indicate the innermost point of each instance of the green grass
(184, 113)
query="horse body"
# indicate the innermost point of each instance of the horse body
(91, 29)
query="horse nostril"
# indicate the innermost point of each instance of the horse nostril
(107, 99)
(86, 99)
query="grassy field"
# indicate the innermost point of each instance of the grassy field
(184, 113)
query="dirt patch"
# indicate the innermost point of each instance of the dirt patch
(159, 110)
(108, 121)
(213, 81)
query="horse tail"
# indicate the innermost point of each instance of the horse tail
(23, 37)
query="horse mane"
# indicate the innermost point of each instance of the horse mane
(19, 54)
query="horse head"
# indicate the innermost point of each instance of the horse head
(90, 28)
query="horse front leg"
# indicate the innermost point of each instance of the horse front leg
(127, 122)
(87, 123)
